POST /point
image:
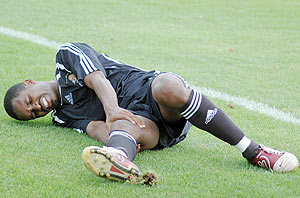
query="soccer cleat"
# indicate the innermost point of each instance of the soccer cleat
(275, 160)
(107, 163)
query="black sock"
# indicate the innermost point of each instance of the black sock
(203, 114)
(123, 141)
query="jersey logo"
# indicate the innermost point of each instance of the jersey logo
(210, 115)
(69, 98)
(72, 78)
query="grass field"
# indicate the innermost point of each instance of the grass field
(248, 49)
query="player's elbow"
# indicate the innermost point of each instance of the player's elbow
(93, 79)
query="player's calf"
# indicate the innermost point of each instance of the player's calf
(203, 114)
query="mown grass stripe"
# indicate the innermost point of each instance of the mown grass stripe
(243, 102)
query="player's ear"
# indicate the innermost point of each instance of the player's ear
(29, 82)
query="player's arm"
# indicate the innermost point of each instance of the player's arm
(106, 94)
(82, 60)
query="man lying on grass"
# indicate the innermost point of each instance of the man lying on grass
(128, 109)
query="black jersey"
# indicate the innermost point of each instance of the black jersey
(80, 105)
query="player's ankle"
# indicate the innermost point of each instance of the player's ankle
(251, 152)
(247, 147)
(116, 150)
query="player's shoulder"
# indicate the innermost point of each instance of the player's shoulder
(57, 118)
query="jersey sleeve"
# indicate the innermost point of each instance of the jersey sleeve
(78, 58)
(79, 125)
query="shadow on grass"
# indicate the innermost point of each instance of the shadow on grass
(33, 123)
(45, 125)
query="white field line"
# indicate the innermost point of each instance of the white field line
(251, 105)
(29, 37)
(243, 102)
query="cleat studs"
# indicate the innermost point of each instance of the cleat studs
(102, 167)
(101, 174)
(92, 151)
(95, 160)
(98, 151)
(133, 172)
(107, 175)
(108, 156)
(104, 161)
(112, 159)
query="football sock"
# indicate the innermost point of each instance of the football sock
(123, 141)
(248, 148)
(203, 114)
(243, 144)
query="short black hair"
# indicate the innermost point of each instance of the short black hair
(11, 94)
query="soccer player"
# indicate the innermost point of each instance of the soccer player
(128, 109)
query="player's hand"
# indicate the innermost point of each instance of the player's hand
(123, 114)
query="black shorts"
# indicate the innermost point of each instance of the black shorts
(139, 100)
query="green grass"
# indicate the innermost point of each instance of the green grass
(244, 48)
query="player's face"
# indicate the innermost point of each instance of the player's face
(38, 99)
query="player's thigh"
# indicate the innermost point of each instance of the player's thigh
(147, 137)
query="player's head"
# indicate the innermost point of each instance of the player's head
(30, 99)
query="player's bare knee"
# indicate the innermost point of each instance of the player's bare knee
(124, 125)
(169, 90)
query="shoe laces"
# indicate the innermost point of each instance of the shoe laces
(270, 150)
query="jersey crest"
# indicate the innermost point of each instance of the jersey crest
(72, 78)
